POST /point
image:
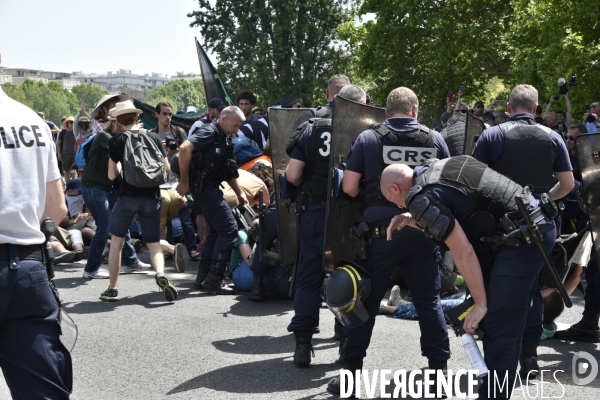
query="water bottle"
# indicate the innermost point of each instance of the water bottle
(474, 355)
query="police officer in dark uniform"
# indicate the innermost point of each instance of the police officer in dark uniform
(400, 139)
(459, 201)
(213, 164)
(528, 154)
(33, 360)
(308, 169)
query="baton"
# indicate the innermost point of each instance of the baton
(535, 235)
(261, 209)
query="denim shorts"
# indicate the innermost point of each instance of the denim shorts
(147, 208)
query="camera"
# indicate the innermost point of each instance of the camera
(573, 80)
(590, 118)
(171, 143)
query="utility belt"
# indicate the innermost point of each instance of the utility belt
(512, 228)
(24, 252)
(304, 199)
(364, 234)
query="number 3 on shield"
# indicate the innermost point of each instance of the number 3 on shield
(326, 136)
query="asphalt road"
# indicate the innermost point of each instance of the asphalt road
(218, 347)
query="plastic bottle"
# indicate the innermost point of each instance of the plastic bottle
(474, 355)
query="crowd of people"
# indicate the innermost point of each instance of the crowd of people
(211, 193)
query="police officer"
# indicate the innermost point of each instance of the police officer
(400, 139)
(212, 142)
(34, 362)
(459, 201)
(528, 154)
(308, 169)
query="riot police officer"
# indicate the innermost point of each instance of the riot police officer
(461, 202)
(34, 362)
(529, 154)
(308, 170)
(400, 139)
(213, 164)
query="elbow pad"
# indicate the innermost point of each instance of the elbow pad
(435, 218)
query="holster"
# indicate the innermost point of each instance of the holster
(360, 232)
(198, 181)
(47, 228)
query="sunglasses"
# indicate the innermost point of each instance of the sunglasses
(570, 137)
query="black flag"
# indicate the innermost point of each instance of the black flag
(213, 85)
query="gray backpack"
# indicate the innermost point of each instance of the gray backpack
(143, 162)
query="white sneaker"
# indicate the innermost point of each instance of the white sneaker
(394, 296)
(100, 274)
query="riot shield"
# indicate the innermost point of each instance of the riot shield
(454, 135)
(282, 124)
(473, 128)
(349, 119)
(588, 154)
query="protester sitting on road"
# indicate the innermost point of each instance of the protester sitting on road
(250, 185)
(67, 246)
(171, 204)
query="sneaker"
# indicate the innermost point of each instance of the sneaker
(64, 258)
(194, 255)
(394, 296)
(110, 294)
(137, 267)
(164, 284)
(100, 274)
(178, 256)
(78, 255)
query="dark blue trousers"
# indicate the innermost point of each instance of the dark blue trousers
(420, 262)
(34, 362)
(309, 273)
(223, 231)
(533, 324)
(513, 283)
(592, 289)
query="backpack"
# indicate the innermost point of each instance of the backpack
(143, 161)
(245, 150)
(83, 152)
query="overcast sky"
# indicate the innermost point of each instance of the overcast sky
(143, 36)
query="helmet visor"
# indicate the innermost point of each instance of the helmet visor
(351, 314)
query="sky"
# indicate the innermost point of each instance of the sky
(143, 36)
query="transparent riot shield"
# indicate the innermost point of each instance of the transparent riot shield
(282, 124)
(349, 119)
(454, 135)
(588, 154)
(474, 128)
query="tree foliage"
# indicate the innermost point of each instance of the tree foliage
(52, 99)
(435, 46)
(274, 48)
(88, 94)
(180, 94)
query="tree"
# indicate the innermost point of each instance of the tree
(52, 99)
(180, 94)
(276, 47)
(434, 47)
(88, 94)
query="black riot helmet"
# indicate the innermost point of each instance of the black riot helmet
(346, 291)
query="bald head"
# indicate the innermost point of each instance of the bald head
(231, 119)
(396, 181)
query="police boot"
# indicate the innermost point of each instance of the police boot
(304, 349)
(334, 385)
(216, 284)
(586, 330)
(528, 361)
(256, 294)
(439, 367)
(200, 278)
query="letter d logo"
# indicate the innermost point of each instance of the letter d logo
(584, 363)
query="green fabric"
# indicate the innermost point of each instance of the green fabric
(95, 174)
(549, 330)
(236, 255)
(184, 121)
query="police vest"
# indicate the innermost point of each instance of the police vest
(411, 148)
(491, 194)
(527, 155)
(316, 169)
(218, 165)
